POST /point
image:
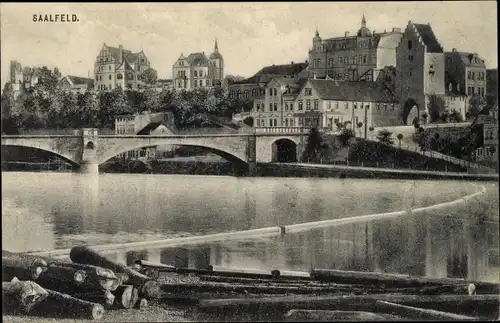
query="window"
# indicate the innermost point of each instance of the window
(275, 122)
(195, 83)
(195, 74)
(275, 106)
(410, 44)
(364, 59)
(410, 58)
(347, 105)
(200, 73)
(308, 104)
(341, 60)
(110, 76)
(270, 92)
(301, 105)
(316, 104)
(308, 92)
(354, 60)
(336, 105)
(254, 92)
(270, 107)
(97, 77)
(286, 106)
(473, 76)
(245, 94)
(329, 105)
(109, 67)
(392, 107)
(355, 105)
(275, 91)
(330, 62)
(258, 106)
(469, 75)
(291, 106)
(385, 106)
(207, 82)
(469, 90)
(319, 62)
(346, 60)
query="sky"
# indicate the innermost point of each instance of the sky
(250, 35)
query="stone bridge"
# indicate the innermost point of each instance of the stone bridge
(86, 149)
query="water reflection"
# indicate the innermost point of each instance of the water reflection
(423, 246)
(61, 210)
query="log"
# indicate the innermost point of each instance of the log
(416, 313)
(104, 277)
(143, 264)
(453, 303)
(142, 303)
(105, 298)
(253, 275)
(64, 274)
(63, 305)
(393, 280)
(87, 256)
(22, 296)
(149, 290)
(23, 267)
(333, 316)
(123, 296)
(134, 298)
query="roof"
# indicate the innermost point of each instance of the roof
(266, 74)
(466, 58)
(197, 59)
(77, 80)
(150, 127)
(352, 91)
(429, 38)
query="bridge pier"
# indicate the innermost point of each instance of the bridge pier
(89, 168)
(252, 169)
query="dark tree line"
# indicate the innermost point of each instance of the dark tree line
(46, 106)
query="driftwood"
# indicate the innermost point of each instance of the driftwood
(85, 255)
(333, 316)
(23, 267)
(452, 303)
(21, 296)
(393, 280)
(58, 304)
(416, 313)
(150, 290)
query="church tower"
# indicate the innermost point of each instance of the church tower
(218, 62)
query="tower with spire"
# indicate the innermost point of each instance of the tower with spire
(217, 61)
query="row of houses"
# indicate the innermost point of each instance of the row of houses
(392, 73)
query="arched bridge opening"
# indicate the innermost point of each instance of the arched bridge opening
(410, 111)
(284, 151)
(145, 157)
(18, 157)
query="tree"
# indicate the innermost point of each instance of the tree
(11, 123)
(384, 136)
(313, 146)
(89, 111)
(231, 79)
(359, 125)
(436, 106)
(455, 116)
(424, 117)
(149, 76)
(345, 135)
(400, 137)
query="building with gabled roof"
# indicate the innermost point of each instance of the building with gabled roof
(353, 57)
(467, 70)
(75, 84)
(116, 67)
(198, 71)
(420, 70)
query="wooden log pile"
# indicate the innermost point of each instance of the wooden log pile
(91, 283)
(84, 287)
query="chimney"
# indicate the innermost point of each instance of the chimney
(121, 53)
(454, 49)
(396, 30)
(347, 34)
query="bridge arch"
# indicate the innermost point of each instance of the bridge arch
(228, 151)
(63, 156)
(410, 110)
(284, 150)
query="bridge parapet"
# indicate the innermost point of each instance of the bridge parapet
(260, 130)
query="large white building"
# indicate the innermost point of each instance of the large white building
(198, 71)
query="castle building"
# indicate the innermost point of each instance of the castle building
(353, 57)
(119, 67)
(420, 70)
(75, 84)
(23, 78)
(198, 71)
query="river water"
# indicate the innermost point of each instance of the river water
(46, 211)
